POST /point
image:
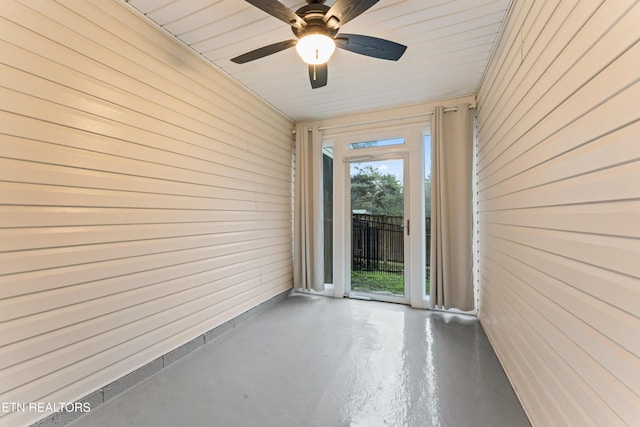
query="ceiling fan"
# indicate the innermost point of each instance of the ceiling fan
(316, 27)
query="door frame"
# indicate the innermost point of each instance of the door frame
(414, 172)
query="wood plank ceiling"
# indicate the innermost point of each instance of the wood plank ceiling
(449, 44)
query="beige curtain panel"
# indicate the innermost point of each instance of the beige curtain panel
(451, 209)
(308, 257)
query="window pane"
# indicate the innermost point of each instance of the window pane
(427, 208)
(378, 143)
(327, 206)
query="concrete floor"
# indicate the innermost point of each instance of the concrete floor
(316, 361)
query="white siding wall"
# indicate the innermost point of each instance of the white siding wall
(559, 199)
(145, 198)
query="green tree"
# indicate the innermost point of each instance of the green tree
(377, 193)
(427, 196)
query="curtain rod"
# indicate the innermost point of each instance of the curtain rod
(430, 113)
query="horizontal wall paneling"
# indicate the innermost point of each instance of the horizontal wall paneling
(145, 198)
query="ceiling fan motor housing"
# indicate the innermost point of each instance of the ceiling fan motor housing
(313, 14)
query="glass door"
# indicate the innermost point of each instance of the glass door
(378, 229)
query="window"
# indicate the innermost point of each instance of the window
(377, 143)
(327, 206)
(427, 208)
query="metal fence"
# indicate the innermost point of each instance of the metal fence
(377, 243)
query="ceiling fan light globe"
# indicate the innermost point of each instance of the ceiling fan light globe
(315, 49)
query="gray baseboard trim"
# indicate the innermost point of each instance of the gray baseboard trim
(113, 389)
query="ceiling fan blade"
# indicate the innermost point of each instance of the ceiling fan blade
(264, 51)
(280, 11)
(371, 46)
(344, 11)
(318, 75)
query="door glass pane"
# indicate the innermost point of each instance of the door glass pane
(377, 238)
